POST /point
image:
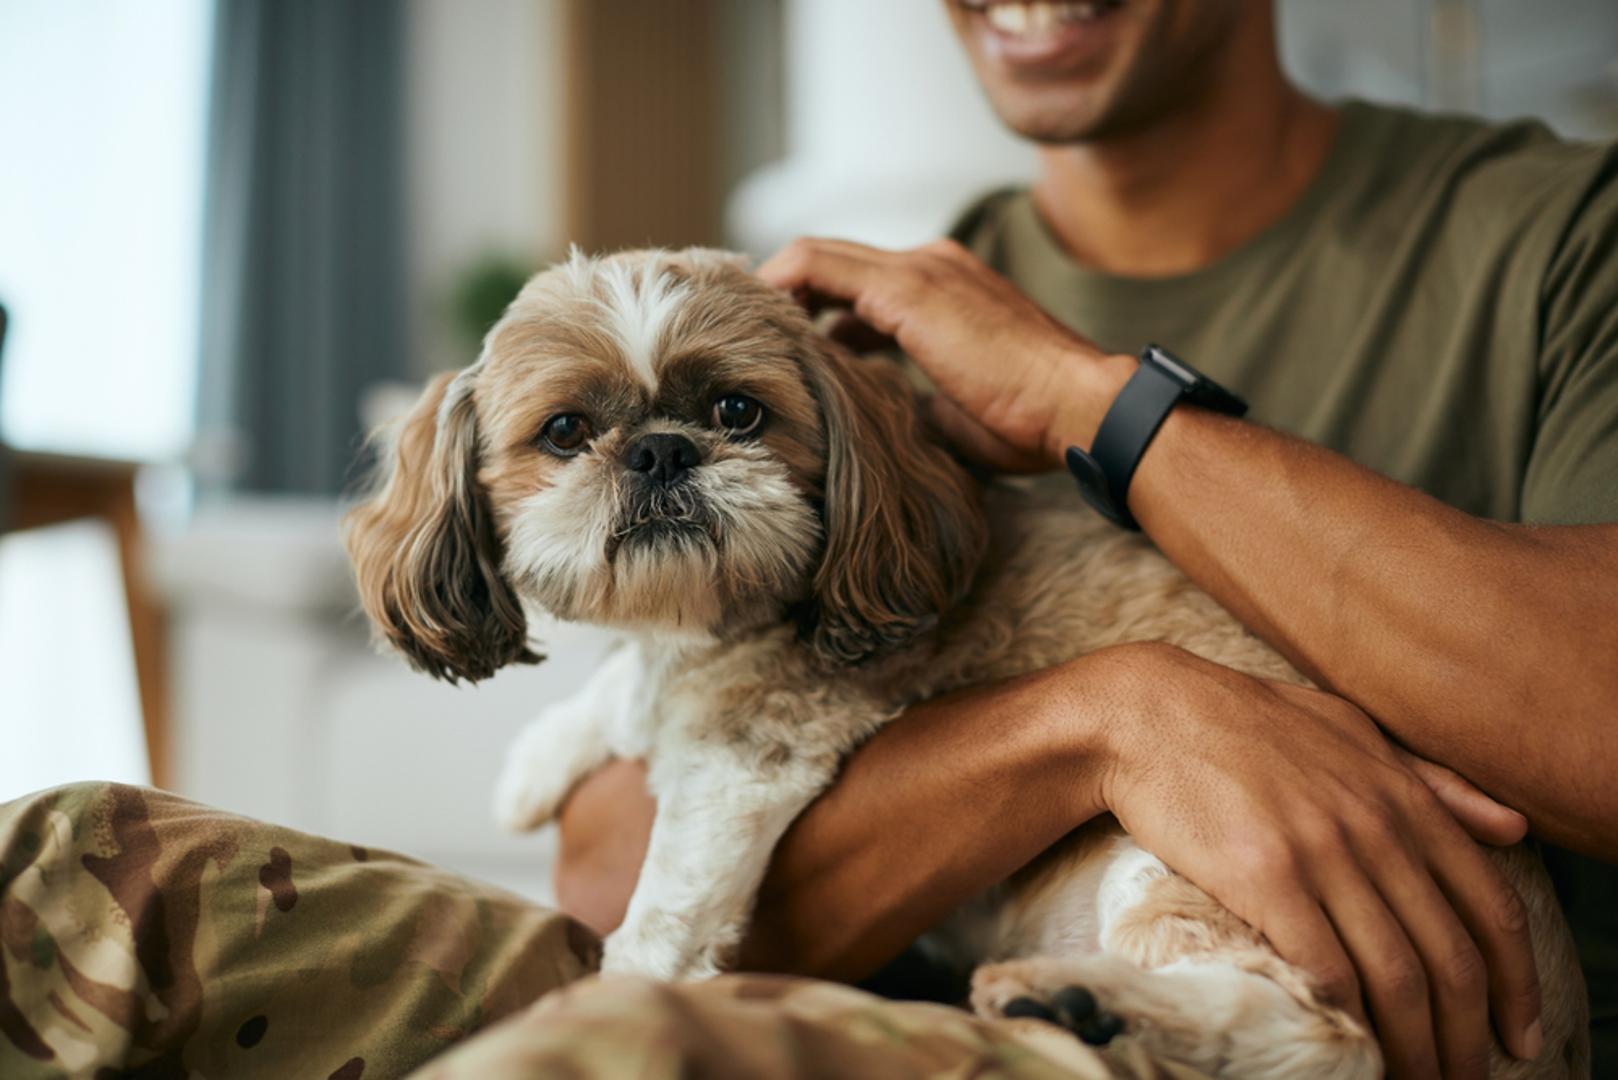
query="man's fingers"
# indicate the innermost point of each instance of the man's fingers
(1390, 971)
(1299, 931)
(855, 333)
(1488, 905)
(882, 287)
(1457, 977)
(1496, 920)
(830, 268)
(1487, 821)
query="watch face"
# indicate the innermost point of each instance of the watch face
(1172, 364)
(1199, 389)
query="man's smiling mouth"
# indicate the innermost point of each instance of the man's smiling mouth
(1045, 35)
(1041, 17)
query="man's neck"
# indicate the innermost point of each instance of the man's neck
(1193, 187)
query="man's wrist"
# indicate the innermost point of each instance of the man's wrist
(1125, 695)
(1088, 386)
(1081, 706)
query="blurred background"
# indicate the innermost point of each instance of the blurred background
(234, 234)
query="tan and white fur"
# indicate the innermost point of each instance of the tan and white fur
(781, 594)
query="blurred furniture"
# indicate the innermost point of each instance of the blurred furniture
(69, 694)
(667, 104)
(642, 127)
(37, 490)
(48, 489)
(5, 457)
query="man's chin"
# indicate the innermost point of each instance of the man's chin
(1069, 108)
(1055, 117)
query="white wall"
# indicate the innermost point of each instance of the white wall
(887, 133)
(485, 127)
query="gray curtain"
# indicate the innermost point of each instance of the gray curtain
(303, 282)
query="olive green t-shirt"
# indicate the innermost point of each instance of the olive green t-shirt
(1441, 306)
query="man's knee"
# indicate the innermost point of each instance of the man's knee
(42, 827)
(74, 801)
(73, 825)
(69, 798)
(753, 1025)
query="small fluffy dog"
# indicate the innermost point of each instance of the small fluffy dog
(658, 443)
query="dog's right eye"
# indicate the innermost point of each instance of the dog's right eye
(566, 434)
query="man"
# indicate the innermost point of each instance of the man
(1430, 301)
(1423, 302)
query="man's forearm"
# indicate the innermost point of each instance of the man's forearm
(1487, 647)
(943, 803)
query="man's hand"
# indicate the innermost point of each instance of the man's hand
(1293, 810)
(1286, 804)
(606, 825)
(1016, 388)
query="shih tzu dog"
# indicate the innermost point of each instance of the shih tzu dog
(658, 443)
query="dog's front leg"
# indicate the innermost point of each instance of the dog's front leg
(568, 741)
(717, 822)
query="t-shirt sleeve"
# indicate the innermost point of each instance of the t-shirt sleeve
(1572, 474)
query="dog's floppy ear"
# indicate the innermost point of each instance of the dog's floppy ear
(904, 522)
(425, 550)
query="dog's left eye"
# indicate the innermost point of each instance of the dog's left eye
(565, 435)
(738, 414)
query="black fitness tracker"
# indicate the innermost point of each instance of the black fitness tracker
(1161, 382)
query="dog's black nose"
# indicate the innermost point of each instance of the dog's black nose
(664, 458)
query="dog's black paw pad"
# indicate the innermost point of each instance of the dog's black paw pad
(1018, 1008)
(1101, 1030)
(1076, 1010)
(1073, 1008)
(1074, 1004)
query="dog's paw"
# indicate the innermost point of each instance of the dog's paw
(1035, 990)
(1214, 1015)
(630, 953)
(533, 782)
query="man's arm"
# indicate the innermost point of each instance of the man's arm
(1492, 648)
(968, 788)
(1486, 647)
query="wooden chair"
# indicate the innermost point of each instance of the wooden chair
(47, 489)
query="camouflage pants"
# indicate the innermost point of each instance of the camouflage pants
(144, 935)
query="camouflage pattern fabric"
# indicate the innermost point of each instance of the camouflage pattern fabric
(143, 935)
(741, 1027)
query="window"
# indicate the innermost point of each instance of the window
(100, 219)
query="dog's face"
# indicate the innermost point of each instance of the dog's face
(652, 452)
(658, 441)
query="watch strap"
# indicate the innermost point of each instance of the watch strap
(1105, 471)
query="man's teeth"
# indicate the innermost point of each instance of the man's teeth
(1042, 18)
